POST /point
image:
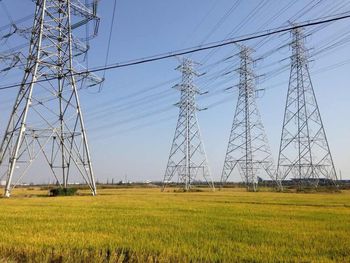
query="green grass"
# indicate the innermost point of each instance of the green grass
(146, 225)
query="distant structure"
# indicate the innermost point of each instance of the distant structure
(187, 160)
(304, 152)
(248, 149)
(46, 118)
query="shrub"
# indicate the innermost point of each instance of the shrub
(63, 191)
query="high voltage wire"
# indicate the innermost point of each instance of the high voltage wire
(252, 14)
(158, 96)
(211, 9)
(226, 100)
(213, 45)
(304, 9)
(206, 68)
(307, 8)
(269, 74)
(246, 19)
(279, 13)
(151, 97)
(211, 105)
(221, 21)
(134, 128)
(109, 42)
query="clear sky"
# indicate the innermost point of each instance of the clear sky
(131, 121)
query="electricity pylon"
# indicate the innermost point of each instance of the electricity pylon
(304, 152)
(248, 149)
(187, 158)
(46, 119)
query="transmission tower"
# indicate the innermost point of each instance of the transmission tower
(46, 119)
(304, 152)
(187, 159)
(248, 147)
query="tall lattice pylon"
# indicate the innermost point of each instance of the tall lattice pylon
(248, 149)
(46, 120)
(304, 152)
(187, 159)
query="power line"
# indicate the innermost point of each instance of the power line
(211, 9)
(234, 30)
(209, 46)
(7, 12)
(109, 42)
(220, 101)
(221, 21)
(105, 108)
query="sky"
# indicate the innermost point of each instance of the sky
(131, 121)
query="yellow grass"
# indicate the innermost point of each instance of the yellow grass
(145, 225)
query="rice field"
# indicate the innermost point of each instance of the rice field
(146, 225)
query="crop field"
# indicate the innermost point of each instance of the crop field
(146, 225)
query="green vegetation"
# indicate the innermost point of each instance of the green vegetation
(63, 191)
(146, 225)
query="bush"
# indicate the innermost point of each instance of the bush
(182, 190)
(63, 191)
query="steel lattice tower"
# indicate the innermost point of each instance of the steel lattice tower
(304, 151)
(248, 147)
(187, 158)
(46, 118)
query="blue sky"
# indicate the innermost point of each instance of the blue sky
(131, 121)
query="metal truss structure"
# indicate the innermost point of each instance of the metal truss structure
(248, 149)
(304, 152)
(46, 119)
(187, 160)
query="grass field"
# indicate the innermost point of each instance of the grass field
(145, 225)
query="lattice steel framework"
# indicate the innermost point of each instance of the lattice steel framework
(248, 149)
(46, 119)
(187, 158)
(304, 152)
